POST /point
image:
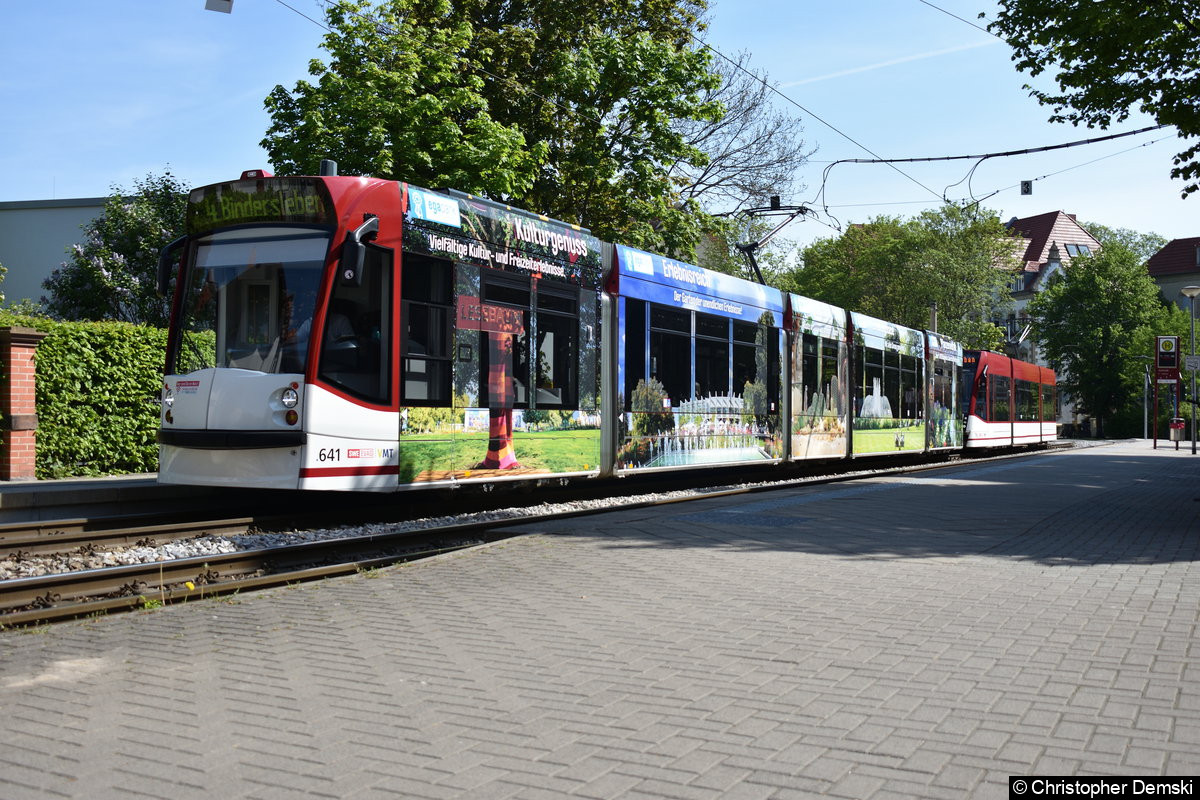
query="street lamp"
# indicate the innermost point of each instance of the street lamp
(1190, 293)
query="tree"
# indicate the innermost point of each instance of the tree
(1143, 245)
(1112, 58)
(566, 110)
(1091, 322)
(753, 150)
(896, 269)
(1130, 415)
(397, 100)
(112, 274)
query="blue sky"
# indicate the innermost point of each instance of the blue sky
(99, 93)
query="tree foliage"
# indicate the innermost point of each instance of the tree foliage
(569, 110)
(1113, 58)
(1093, 320)
(1143, 245)
(112, 274)
(753, 149)
(895, 269)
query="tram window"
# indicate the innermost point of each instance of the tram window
(1026, 401)
(746, 332)
(563, 303)
(981, 395)
(671, 351)
(752, 358)
(712, 356)
(635, 347)
(943, 393)
(1049, 413)
(871, 391)
(557, 347)
(712, 327)
(505, 356)
(425, 292)
(891, 382)
(671, 363)
(670, 319)
(771, 345)
(355, 347)
(507, 294)
(810, 372)
(1001, 396)
(910, 382)
(746, 366)
(829, 374)
(712, 368)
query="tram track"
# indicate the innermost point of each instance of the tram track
(77, 593)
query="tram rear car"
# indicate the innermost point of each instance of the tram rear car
(1007, 402)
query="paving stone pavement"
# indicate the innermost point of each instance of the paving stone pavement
(919, 636)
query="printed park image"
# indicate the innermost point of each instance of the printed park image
(439, 444)
(877, 430)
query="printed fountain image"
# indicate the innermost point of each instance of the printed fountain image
(890, 387)
(875, 404)
(704, 430)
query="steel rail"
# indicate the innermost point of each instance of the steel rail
(63, 536)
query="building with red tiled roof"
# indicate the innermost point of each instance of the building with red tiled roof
(1051, 241)
(1175, 266)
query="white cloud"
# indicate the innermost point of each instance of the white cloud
(895, 61)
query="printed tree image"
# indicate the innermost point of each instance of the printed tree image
(757, 404)
(500, 454)
(650, 418)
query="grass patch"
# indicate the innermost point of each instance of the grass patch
(544, 451)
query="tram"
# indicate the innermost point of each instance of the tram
(353, 333)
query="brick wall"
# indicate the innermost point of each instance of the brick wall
(18, 403)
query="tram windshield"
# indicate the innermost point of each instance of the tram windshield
(249, 298)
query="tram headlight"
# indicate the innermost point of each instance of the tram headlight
(168, 397)
(289, 398)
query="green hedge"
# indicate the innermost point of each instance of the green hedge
(98, 385)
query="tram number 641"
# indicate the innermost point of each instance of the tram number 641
(329, 454)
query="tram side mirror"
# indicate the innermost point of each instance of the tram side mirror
(354, 250)
(167, 261)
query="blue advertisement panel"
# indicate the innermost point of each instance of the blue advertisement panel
(699, 366)
(647, 276)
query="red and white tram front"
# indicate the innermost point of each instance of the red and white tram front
(253, 288)
(363, 334)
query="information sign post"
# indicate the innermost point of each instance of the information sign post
(1166, 368)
